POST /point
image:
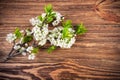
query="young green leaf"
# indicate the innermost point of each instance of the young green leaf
(49, 19)
(67, 24)
(40, 18)
(48, 8)
(17, 33)
(80, 29)
(53, 14)
(35, 50)
(27, 39)
(50, 49)
(65, 32)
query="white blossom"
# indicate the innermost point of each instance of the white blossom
(71, 30)
(36, 32)
(28, 32)
(58, 19)
(10, 37)
(45, 29)
(26, 44)
(24, 53)
(35, 21)
(42, 42)
(16, 46)
(40, 34)
(35, 29)
(21, 40)
(22, 49)
(58, 16)
(29, 49)
(43, 15)
(55, 23)
(31, 56)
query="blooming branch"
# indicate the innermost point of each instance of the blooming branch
(29, 41)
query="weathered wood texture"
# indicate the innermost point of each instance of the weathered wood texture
(94, 56)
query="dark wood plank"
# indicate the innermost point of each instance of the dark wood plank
(94, 56)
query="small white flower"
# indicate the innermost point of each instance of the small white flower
(21, 40)
(40, 33)
(28, 32)
(26, 44)
(31, 56)
(45, 29)
(35, 21)
(24, 53)
(55, 23)
(71, 30)
(16, 47)
(63, 18)
(22, 49)
(42, 42)
(10, 37)
(58, 16)
(29, 49)
(43, 15)
(58, 19)
(35, 29)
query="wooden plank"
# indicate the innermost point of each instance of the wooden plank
(94, 56)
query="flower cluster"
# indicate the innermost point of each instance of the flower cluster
(28, 42)
(40, 34)
(55, 38)
(10, 37)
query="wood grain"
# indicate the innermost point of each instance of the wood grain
(94, 56)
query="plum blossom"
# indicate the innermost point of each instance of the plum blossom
(31, 56)
(10, 37)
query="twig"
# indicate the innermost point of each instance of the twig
(13, 55)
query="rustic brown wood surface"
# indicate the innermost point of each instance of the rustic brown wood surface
(94, 56)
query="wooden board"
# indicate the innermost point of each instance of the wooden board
(94, 56)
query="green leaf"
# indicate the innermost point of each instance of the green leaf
(80, 29)
(50, 49)
(27, 39)
(67, 24)
(35, 50)
(48, 8)
(40, 18)
(17, 33)
(65, 32)
(53, 14)
(49, 19)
